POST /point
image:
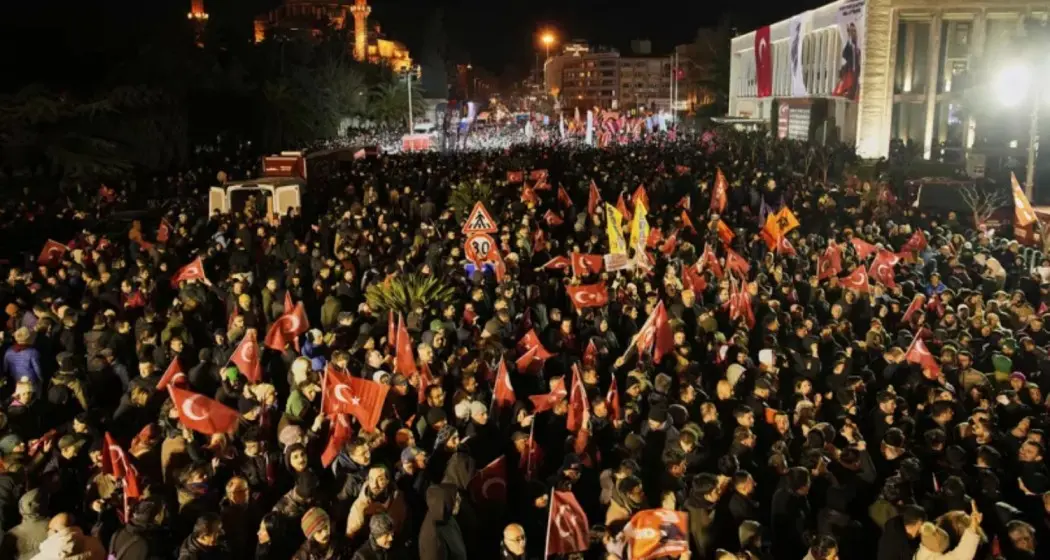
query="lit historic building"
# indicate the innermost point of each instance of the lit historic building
(309, 17)
(908, 56)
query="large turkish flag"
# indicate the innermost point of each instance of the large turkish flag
(763, 63)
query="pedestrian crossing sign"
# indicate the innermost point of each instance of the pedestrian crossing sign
(479, 221)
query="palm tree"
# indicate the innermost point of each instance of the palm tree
(388, 103)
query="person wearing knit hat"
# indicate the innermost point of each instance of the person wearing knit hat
(317, 529)
(11, 443)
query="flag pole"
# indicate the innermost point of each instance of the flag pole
(547, 539)
(324, 386)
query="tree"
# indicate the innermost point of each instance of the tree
(433, 58)
(388, 103)
(706, 62)
(983, 202)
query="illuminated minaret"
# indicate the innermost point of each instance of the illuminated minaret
(198, 17)
(360, 9)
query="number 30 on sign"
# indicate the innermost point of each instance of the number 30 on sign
(480, 247)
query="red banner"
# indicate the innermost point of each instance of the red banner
(763, 63)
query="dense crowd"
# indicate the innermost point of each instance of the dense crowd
(763, 366)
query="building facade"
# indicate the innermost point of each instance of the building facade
(913, 52)
(310, 17)
(585, 78)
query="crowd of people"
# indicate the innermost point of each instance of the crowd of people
(768, 365)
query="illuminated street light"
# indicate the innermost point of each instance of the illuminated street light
(547, 39)
(1012, 85)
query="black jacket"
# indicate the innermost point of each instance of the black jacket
(440, 537)
(895, 544)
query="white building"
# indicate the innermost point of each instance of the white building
(911, 49)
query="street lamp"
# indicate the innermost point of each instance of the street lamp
(547, 39)
(1012, 86)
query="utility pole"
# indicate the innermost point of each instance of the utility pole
(1033, 135)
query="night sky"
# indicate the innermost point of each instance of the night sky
(498, 35)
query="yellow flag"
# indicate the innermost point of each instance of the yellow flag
(785, 221)
(614, 229)
(639, 225)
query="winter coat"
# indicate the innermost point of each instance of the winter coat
(71, 544)
(23, 361)
(440, 537)
(136, 542)
(193, 550)
(965, 550)
(24, 539)
(895, 544)
(11, 488)
(372, 551)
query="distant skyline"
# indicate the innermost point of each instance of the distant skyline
(498, 36)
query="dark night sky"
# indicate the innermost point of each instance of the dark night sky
(499, 35)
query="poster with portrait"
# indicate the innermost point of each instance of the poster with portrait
(797, 28)
(850, 20)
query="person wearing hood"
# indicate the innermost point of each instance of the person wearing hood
(705, 523)
(627, 498)
(900, 535)
(440, 537)
(24, 539)
(206, 542)
(143, 538)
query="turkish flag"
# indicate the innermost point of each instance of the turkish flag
(529, 341)
(564, 198)
(654, 238)
(192, 271)
(114, 459)
(577, 402)
(919, 354)
(682, 169)
(173, 376)
(202, 414)
(687, 222)
(288, 305)
(542, 185)
(670, 244)
(763, 63)
(917, 242)
(692, 279)
(163, 231)
(539, 240)
(612, 399)
(583, 264)
(538, 175)
(287, 328)
(489, 484)
(528, 196)
(360, 398)
(857, 280)
(882, 268)
(567, 528)
(553, 219)
(784, 247)
(621, 206)
(720, 194)
(246, 357)
(736, 263)
(830, 263)
(917, 303)
(405, 362)
(725, 233)
(515, 176)
(686, 203)
(640, 196)
(503, 395)
(526, 360)
(545, 402)
(590, 355)
(338, 434)
(557, 263)
(425, 380)
(52, 253)
(863, 248)
(594, 198)
(391, 330)
(739, 305)
(588, 295)
(709, 261)
(655, 336)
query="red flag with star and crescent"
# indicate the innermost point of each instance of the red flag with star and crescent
(489, 484)
(173, 376)
(882, 268)
(246, 357)
(52, 253)
(857, 280)
(917, 303)
(590, 355)
(621, 206)
(564, 198)
(830, 262)
(338, 434)
(287, 328)
(530, 341)
(201, 414)
(612, 400)
(720, 195)
(709, 261)
(192, 271)
(577, 402)
(360, 398)
(503, 396)
(567, 528)
(916, 243)
(692, 279)
(583, 264)
(163, 231)
(736, 263)
(557, 263)
(546, 401)
(594, 199)
(655, 336)
(405, 362)
(863, 248)
(588, 295)
(919, 354)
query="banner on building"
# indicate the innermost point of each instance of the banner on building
(590, 128)
(798, 85)
(763, 63)
(850, 20)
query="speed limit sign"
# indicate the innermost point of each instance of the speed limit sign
(480, 247)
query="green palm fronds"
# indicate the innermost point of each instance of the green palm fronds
(464, 197)
(403, 294)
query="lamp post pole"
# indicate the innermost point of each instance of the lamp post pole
(409, 82)
(1033, 134)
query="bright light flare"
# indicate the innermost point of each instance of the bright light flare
(547, 39)
(1013, 84)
